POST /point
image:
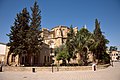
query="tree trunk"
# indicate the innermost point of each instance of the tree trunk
(64, 62)
(94, 57)
(58, 66)
(8, 58)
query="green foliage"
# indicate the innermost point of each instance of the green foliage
(62, 54)
(113, 48)
(33, 35)
(105, 58)
(25, 35)
(18, 43)
(58, 49)
(36, 18)
(70, 44)
(82, 42)
(99, 45)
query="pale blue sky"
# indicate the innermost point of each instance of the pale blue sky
(67, 12)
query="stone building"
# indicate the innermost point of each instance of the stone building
(115, 55)
(41, 59)
(55, 37)
(3, 51)
(52, 38)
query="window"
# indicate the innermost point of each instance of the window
(111, 54)
(116, 54)
(48, 58)
(63, 32)
(57, 33)
(44, 59)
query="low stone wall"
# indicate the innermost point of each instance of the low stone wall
(63, 68)
(103, 66)
(55, 68)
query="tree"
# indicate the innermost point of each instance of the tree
(70, 43)
(62, 54)
(113, 48)
(36, 17)
(82, 41)
(34, 34)
(25, 36)
(99, 46)
(18, 42)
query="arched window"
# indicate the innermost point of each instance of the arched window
(51, 43)
(57, 33)
(63, 32)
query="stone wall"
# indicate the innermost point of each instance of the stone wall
(61, 68)
(2, 58)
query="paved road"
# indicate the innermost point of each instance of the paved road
(110, 73)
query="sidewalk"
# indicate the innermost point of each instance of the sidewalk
(110, 73)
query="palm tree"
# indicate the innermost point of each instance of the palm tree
(82, 41)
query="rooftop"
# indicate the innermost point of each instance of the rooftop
(60, 26)
(2, 43)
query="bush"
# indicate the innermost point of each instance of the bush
(106, 58)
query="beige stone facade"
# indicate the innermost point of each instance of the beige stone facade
(56, 36)
(3, 52)
(115, 55)
(2, 58)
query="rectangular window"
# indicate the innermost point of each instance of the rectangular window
(44, 59)
(48, 58)
(116, 54)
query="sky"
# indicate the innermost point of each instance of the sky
(66, 12)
